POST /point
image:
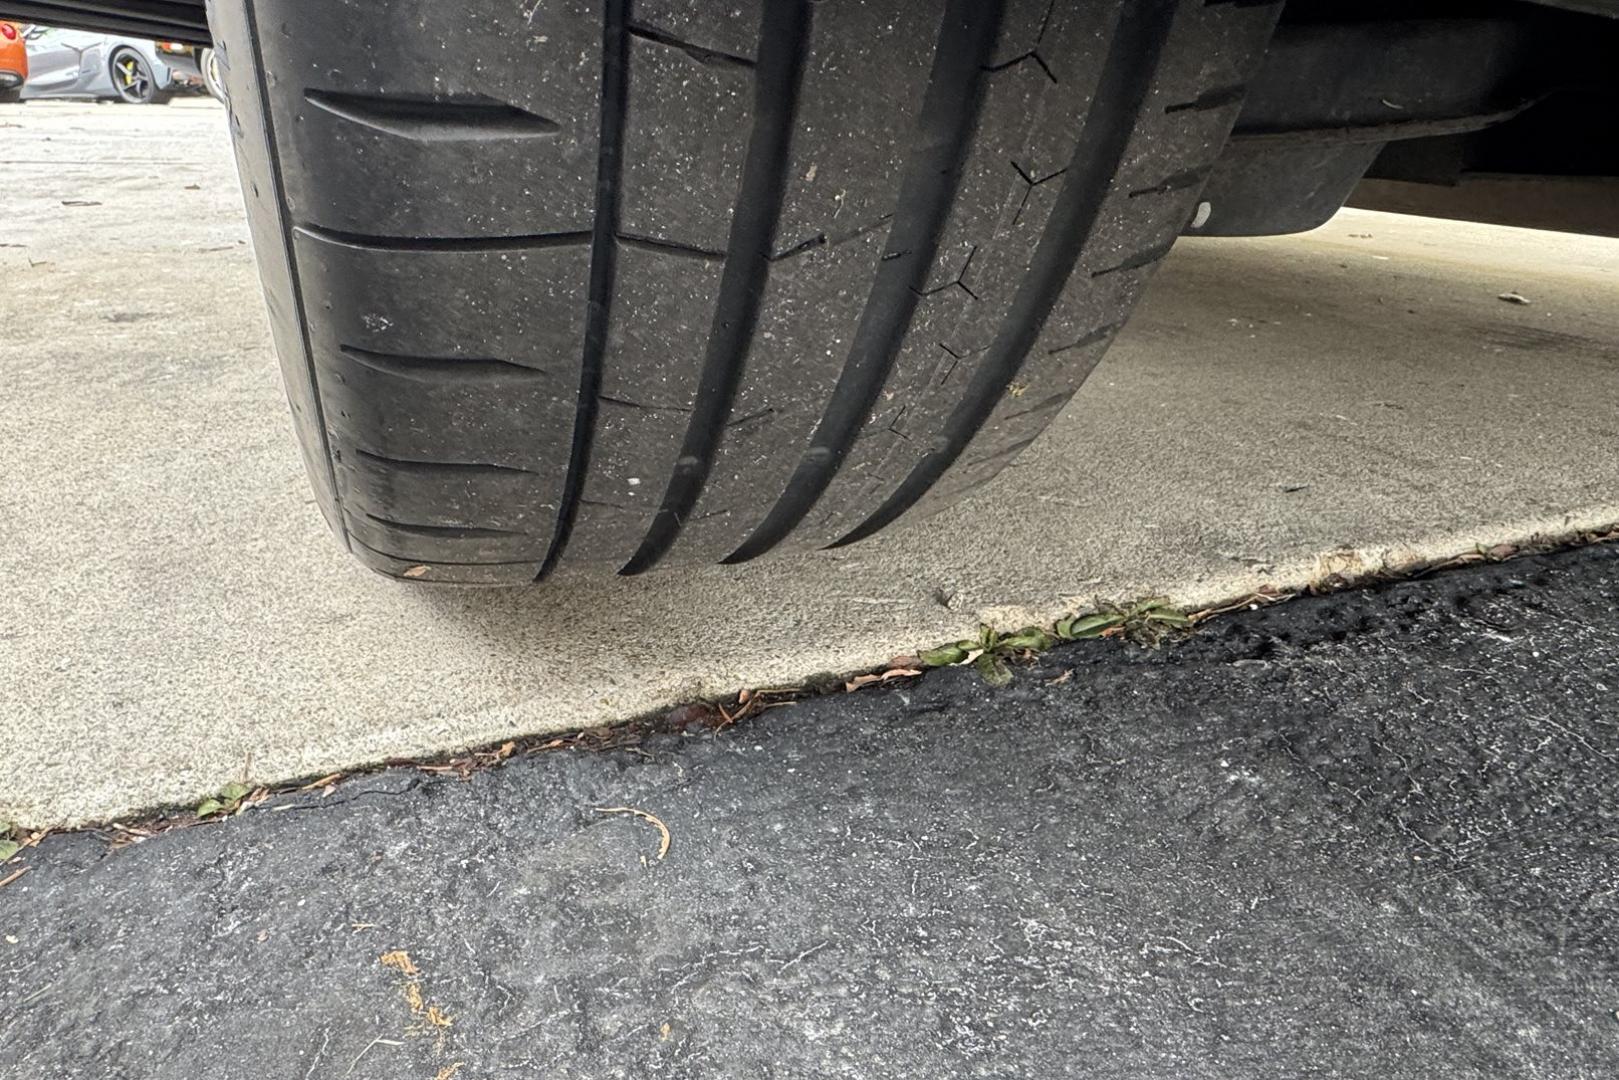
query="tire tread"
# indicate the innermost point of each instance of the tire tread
(665, 280)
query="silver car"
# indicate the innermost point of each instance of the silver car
(85, 64)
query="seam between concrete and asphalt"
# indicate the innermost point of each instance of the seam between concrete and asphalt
(1343, 574)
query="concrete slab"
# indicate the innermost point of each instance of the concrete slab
(176, 617)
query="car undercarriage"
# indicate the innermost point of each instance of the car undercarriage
(1479, 111)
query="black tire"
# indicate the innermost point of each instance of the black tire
(558, 285)
(133, 79)
(11, 97)
(212, 77)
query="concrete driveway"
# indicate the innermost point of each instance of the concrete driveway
(175, 616)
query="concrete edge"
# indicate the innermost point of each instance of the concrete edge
(1348, 567)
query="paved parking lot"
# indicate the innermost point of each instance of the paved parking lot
(175, 615)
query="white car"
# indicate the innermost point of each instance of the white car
(86, 64)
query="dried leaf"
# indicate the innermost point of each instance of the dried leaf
(859, 682)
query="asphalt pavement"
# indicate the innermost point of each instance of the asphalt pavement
(1373, 834)
(175, 616)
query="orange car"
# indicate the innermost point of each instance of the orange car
(13, 62)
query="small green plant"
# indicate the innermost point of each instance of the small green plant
(9, 844)
(1146, 622)
(227, 802)
(989, 652)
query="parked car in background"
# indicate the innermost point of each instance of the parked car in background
(85, 64)
(195, 62)
(13, 62)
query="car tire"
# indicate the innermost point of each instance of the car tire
(581, 284)
(212, 77)
(11, 97)
(144, 90)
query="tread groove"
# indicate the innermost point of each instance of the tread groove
(438, 368)
(669, 247)
(1008, 451)
(368, 242)
(1126, 78)
(439, 562)
(1188, 178)
(404, 465)
(435, 119)
(1136, 261)
(1055, 401)
(1217, 98)
(445, 532)
(699, 53)
(628, 404)
(818, 240)
(944, 133)
(615, 85)
(1101, 333)
(821, 239)
(783, 37)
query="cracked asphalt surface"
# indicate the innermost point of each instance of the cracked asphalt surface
(1373, 834)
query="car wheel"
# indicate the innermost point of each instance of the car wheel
(11, 97)
(212, 77)
(581, 284)
(133, 80)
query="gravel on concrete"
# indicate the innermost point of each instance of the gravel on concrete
(1373, 834)
(175, 615)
